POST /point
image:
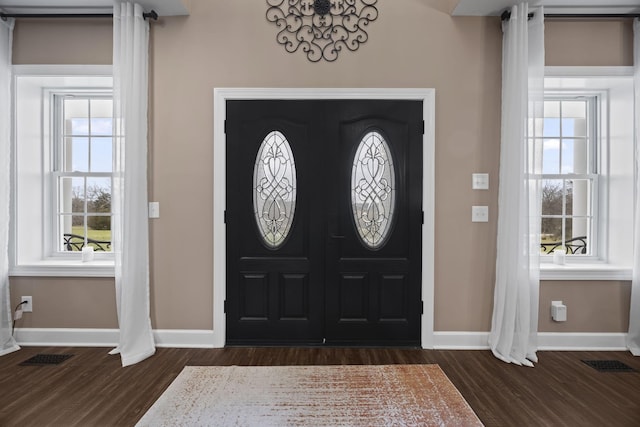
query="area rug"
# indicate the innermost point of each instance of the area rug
(351, 395)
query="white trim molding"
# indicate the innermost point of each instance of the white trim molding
(461, 340)
(547, 341)
(582, 341)
(222, 95)
(197, 338)
(587, 71)
(71, 337)
(58, 337)
(65, 269)
(584, 272)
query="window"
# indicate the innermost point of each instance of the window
(274, 189)
(569, 187)
(373, 190)
(82, 170)
(61, 171)
(585, 161)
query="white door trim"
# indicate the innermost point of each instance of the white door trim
(221, 95)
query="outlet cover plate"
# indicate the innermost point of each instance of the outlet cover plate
(28, 307)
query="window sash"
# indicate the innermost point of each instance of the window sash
(590, 216)
(588, 172)
(60, 218)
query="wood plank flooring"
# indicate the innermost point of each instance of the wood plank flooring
(92, 389)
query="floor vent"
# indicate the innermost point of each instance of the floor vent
(609, 366)
(46, 359)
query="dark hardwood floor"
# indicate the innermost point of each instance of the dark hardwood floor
(92, 389)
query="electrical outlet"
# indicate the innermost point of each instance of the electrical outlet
(558, 311)
(28, 307)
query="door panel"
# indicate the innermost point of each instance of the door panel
(393, 297)
(389, 284)
(325, 283)
(254, 290)
(294, 296)
(270, 291)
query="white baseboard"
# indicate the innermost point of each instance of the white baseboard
(582, 341)
(453, 340)
(195, 338)
(66, 337)
(547, 341)
(184, 338)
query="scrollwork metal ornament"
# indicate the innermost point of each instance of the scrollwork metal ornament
(321, 28)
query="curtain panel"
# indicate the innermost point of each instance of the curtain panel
(513, 336)
(130, 199)
(7, 342)
(634, 315)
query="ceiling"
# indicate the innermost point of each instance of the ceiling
(496, 7)
(182, 7)
(162, 7)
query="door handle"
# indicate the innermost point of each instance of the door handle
(334, 236)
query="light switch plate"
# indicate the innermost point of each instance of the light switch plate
(154, 209)
(479, 213)
(480, 181)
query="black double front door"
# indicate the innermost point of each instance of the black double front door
(323, 217)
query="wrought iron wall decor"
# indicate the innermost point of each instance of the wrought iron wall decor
(321, 28)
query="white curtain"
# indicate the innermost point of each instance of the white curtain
(634, 315)
(514, 328)
(7, 343)
(130, 205)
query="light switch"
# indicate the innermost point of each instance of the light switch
(154, 209)
(480, 181)
(479, 213)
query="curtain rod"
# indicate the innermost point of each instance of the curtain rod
(147, 15)
(507, 15)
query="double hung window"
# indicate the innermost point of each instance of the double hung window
(569, 188)
(82, 171)
(584, 158)
(62, 171)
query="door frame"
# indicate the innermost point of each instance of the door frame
(222, 95)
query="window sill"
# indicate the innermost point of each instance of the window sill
(593, 271)
(65, 268)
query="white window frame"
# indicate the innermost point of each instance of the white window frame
(611, 255)
(55, 98)
(32, 201)
(597, 142)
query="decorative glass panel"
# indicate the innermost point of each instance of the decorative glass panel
(373, 190)
(274, 189)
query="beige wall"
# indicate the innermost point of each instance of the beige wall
(596, 43)
(62, 41)
(414, 43)
(592, 306)
(65, 302)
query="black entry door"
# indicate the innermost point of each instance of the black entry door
(323, 216)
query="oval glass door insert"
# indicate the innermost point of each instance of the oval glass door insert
(373, 190)
(274, 189)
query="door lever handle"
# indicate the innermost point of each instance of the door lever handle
(334, 236)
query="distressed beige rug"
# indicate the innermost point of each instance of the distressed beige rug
(352, 395)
